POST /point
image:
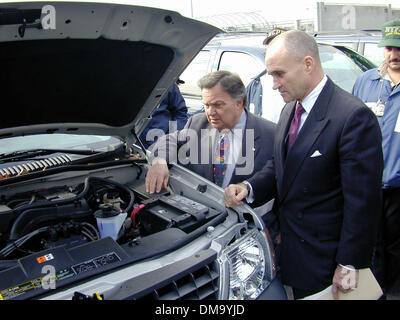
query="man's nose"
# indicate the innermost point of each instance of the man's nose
(211, 111)
(275, 84)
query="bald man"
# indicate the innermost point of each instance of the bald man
(325, 173)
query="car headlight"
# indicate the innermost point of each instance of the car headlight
(248, 265)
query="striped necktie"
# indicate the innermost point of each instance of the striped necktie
(221, 158)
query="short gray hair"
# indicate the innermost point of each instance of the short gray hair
(299, 44)
(230, 82)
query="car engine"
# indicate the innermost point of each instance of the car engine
(73, 215)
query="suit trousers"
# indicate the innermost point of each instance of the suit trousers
(391, 239)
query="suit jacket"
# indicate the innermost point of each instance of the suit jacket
(195, 144)
(327, 188)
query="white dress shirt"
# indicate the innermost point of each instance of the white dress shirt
(235, 147)
(309, 101)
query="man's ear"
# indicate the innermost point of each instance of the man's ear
(308, 62)
(240, 103)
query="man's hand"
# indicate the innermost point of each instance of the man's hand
(234, 194)
(157, 176)
(344, 280)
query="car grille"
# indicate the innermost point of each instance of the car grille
(193, 278)
(201, 284)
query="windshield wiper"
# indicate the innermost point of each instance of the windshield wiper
(23, 154)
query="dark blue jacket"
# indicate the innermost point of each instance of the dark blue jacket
(172, 108)
(254, 92)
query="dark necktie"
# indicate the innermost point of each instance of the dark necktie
(221, 160)
(295, 125)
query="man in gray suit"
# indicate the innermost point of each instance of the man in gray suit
(249, 138)
(325, 174)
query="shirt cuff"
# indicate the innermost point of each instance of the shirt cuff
(351, 268)
(250, 195)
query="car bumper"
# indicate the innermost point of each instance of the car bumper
(274, 291)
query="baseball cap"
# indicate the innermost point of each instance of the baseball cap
(272, 34)
(390, 34)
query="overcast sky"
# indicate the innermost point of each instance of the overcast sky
(275, 10)
(271, 10)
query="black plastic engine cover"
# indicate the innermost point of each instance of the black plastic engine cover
(50, 269)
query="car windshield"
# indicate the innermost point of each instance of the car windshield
(341, 68)
(57, 141)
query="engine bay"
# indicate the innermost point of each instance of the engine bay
(70, 216)
(84, 229)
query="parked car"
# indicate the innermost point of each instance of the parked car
(363, 42)
(75, 219)
(245, 55)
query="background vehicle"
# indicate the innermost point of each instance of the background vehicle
(363, 42)
(75, 220)
(245, 55)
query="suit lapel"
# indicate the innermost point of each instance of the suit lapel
(311, 130)
(280, 142)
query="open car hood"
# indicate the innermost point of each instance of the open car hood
(90, 68)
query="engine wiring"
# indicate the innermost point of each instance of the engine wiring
(14, 245)
(84, 228)
(52, 216)
(22, 210)
(134, 213)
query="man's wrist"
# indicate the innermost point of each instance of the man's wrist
(247, 185)
(348, 267)
(158, 160)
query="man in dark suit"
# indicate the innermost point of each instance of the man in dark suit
(250, 137)
(325, 173)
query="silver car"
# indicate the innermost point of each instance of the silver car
(244, 54)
